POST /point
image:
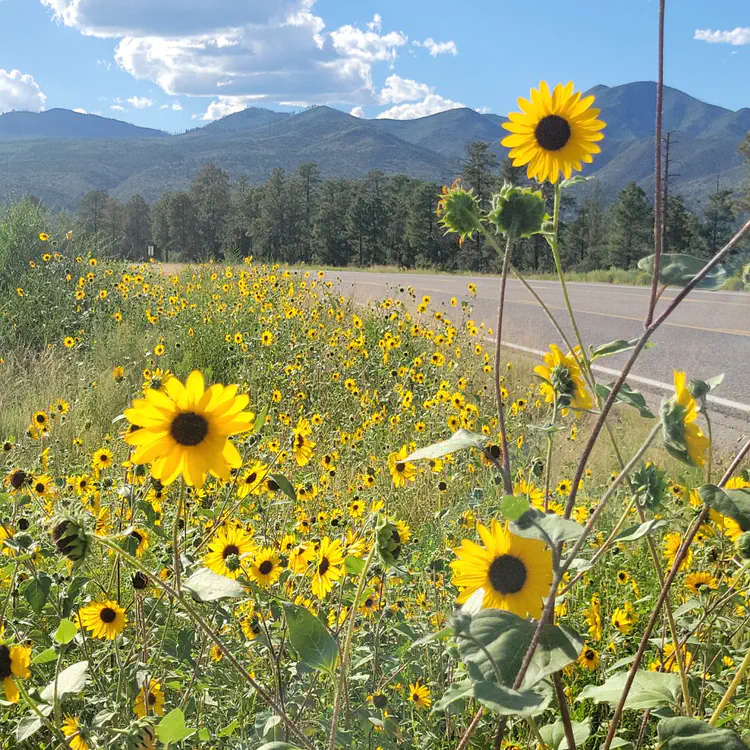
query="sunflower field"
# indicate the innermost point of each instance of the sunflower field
(240, 511)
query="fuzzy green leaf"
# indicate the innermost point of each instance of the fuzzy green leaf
(732, 503)
(311, 640)
(626, 395)
(649, 690)
(69, 682)
(207, 586)
(554, 734)
(457, 442)
(172, 727)
(690, 734)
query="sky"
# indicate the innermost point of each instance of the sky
(178, 64)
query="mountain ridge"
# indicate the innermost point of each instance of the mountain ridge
(60, 155)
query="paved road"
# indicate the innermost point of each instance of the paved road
(707, 335)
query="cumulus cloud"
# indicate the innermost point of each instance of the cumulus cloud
(397, 90)
(737, 37)
(20, 91)
(118, 108)
(438, 48)
(357, 112)
(369, 46)
(225, 105)
(140, 102)
(80, 110)
(430, 105)
(177, 107)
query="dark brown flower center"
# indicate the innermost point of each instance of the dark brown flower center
(40, 487)
(230, 549)
(189, 428)
(5, 670)
(265, 567)
(17, 479)
(552, 133)
(589, 654)
(400, 467)
(151, 699)
(507, 574)
(323, 566)
(108, 615)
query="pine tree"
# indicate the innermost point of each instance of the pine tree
(631, 228)
(182, 219)
(137, 227)
(719, 216)
(583, 243)
(210, 195)
(114, 226)
(91, 212)
(308, 178)
(331, 245)
(479, 173)
(745, 151)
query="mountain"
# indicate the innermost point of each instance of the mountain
(61, 155)
(62, 123)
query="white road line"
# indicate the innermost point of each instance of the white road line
(736, 405)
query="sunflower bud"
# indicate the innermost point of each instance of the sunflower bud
(563, 384)
(649, 486)
(517, 212)
(388, 543)
(232, 562)
(742, 545)
(459, 211)
(70, 537)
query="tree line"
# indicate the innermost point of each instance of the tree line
(389, 220)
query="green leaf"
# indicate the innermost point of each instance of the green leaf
(649, 690)
(285, 486)
(688, 606)
(732, 503)
(615, 347)
(440, 635)
(513, 507)
(207, 586)
(457, 442)
(260, 419)
(493, 644)
(172, 727)
(204, 735)
(554, 734)
(69, 682)
(354, 566)
(575, 180)
(31, 724)
(690, 734)
(638, 531)
(537, 525)
(626, 395)
(45, 656)
(65, 633)
(229, 729)
(678, 269)
(497, 698)
(36, 592)
(311, 640)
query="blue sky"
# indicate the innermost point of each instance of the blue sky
(176, 64)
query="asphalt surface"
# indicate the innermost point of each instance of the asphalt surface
(708, 334)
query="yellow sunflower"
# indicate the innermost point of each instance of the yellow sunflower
(589, 658)
(266, 567)
(102, 459)
(561, 375)
(554, 132)
(329, 567)
(251, 482)
(230, 541)
(74, 735)
(401, 471)
(106, 619)
(701, 582)
(514, 573)
(14, 662)
(151, 703)
(186, 430)
(683, 439)
(419, 695)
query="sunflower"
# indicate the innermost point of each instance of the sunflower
(230, 541)
(683, 439)
(40, 420)
(102, 459)
(701, 582)
(106, 619)
(186, 431)
(419, 695)
(140, 538)
(329, 562)
(514, 573)
(74, 735)
(69, 342)
(623, 618)
(401, 471)
(301, 444)
(14, 662)
(672, 544)
(251, 482)
(589, 658)
(266, 338)
(561, 378)
(43, 485)
(554, 132)
(266, 567)
(149, 701)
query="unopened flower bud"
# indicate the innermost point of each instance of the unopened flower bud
(517, 212)
(742, 545)
(388, 543)
(70, 537)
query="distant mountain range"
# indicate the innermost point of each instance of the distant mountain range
(59, 155)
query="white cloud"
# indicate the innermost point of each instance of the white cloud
(80, 110)
(118, 108)
(20, 91)
(430, 105)
(223, 106)
(140, 102)
(357, 112)
(737, 37)
(369, 46)
(438, 48)
(177, 107)
(104, 64)
(397, 90)
(482, 110)
(376, 24)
